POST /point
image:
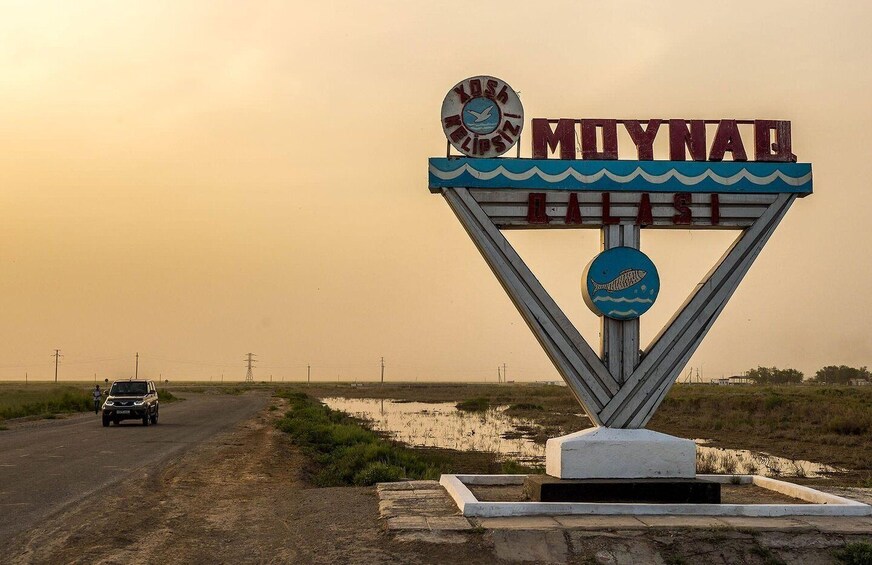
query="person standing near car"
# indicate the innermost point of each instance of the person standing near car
(98, 396)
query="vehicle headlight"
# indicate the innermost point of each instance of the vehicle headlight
(138, 402)
(109, 403)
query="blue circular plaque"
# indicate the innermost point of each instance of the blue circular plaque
(481, 115)
(621, 283)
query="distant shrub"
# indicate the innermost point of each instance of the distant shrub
(526, 406)
(166, 396)
(474, 405)
(841, 374)
(773, 401)
(848, 425)
(774, 376)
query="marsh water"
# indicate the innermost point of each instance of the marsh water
(442, 425)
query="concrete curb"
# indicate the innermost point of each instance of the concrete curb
(820, 503)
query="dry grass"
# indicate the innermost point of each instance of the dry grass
(828, 424)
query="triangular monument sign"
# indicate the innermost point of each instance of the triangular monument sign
(575, 181)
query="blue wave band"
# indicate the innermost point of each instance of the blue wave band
(628, 176)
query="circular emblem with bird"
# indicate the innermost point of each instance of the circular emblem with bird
(621, 283)
(482, 117)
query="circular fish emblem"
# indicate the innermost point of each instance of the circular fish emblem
(482, 117)
(621, 283)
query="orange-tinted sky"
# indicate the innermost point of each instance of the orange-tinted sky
(197, 180)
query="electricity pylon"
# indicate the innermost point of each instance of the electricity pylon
(249, 376)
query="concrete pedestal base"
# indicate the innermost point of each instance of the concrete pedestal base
(612, 453)
(542, 488)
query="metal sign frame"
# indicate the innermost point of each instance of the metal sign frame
(620, 386)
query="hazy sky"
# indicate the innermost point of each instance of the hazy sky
(197, 180)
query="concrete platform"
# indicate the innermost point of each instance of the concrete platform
(817, 503)
(427, 507)
(419, 505)
(423, 512)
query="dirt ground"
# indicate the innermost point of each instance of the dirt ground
(240, 499)
(243, 498)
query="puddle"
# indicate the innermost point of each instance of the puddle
(443, 425)
(744, 462)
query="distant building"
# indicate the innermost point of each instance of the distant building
(735, 380)
(859, 382)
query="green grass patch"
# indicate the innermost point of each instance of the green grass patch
(479, 404)
(523, 406)
(348, 453)
(45, 401)
(512, 467)
(164, 395)
(857, 553)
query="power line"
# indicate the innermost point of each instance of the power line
(57, 356)
(249, 376)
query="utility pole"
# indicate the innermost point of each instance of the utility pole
(308, 374)
(499, 375)
(382, 370)
(57, 356)
(504, 373)
(136, 371)
(249, 376)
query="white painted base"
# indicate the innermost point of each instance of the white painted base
(612, 453)
(818, 503)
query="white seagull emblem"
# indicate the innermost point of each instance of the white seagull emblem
(481, 116)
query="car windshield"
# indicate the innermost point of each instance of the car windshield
(131, 389)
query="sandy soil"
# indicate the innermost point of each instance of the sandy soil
(239, 499)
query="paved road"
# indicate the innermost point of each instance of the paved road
(47, 465)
